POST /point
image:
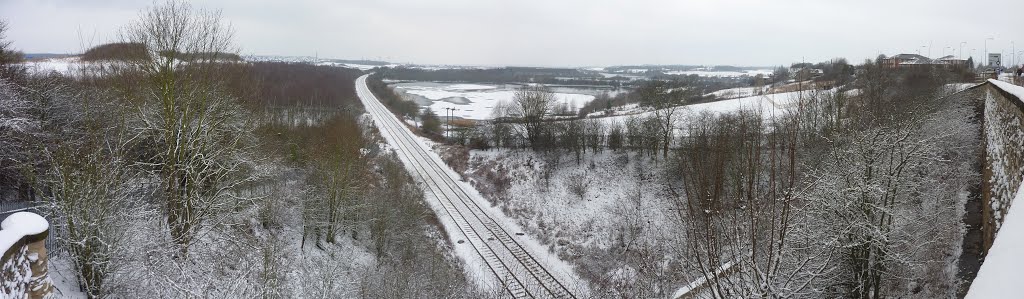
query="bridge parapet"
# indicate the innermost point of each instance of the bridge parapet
(1004, 153)
(24, 270)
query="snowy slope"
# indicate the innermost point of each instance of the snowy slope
(769, 105)
(1000, 275)
(738, 92)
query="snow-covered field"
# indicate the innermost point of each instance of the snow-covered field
(738, 92)
(704, 73)
(313, 60)
(769, 105)
(475, 101)
(65, 66)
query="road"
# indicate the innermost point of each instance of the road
(516, 268)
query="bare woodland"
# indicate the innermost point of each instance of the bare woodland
(172, 169)
(844, 196)
(177, 171)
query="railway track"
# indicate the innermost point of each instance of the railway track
(519, 272)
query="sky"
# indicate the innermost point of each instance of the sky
(559, 33)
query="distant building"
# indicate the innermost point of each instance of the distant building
(915, 60)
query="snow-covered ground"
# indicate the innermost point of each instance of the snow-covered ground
(769, 105)
(712, 73)
(65, 65)
(999, 276)
(314, 60)
(739, 92)
(475, 101)
(559, 217)
(627, 210)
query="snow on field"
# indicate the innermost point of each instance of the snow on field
(738, 92)
(769, 105)
(361, 67)
(613, 75)
(475, 101)
(958, 87)
(65, 65)
(723, 74)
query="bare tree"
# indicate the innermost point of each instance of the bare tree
(532, 104)
(186, 113)
(7, 55)
(667, 110)
(578, 184)
(739, 212)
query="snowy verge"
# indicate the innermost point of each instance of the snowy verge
(1000, 275)
(1015, 90)
(19, 225)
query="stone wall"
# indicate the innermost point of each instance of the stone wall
(24, 271)
(1004, 156)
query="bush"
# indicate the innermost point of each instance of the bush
(431, 124)
(578, 184)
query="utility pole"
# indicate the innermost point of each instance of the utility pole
(962, 49)
(986, 50)
(447, 123)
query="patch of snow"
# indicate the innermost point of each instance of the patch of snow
(19, 225)
(721, 74)
(739, 92)
(999, 276)
(468, 87)
(958, 87)
(1015, 90)
(476, 101)
(769, 105)
(65, 65)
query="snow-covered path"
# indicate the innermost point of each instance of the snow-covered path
(485, 239)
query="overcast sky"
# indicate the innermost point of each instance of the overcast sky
(558, 32)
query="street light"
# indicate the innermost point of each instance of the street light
(447, 122)
(972, 54)
(962, 49)
(986, 50)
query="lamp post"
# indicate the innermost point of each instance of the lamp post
(962, 49)
(986, 50)
(447, 122)
(450, 122)
(972, 54)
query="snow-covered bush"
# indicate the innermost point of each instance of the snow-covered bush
(578, 184)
